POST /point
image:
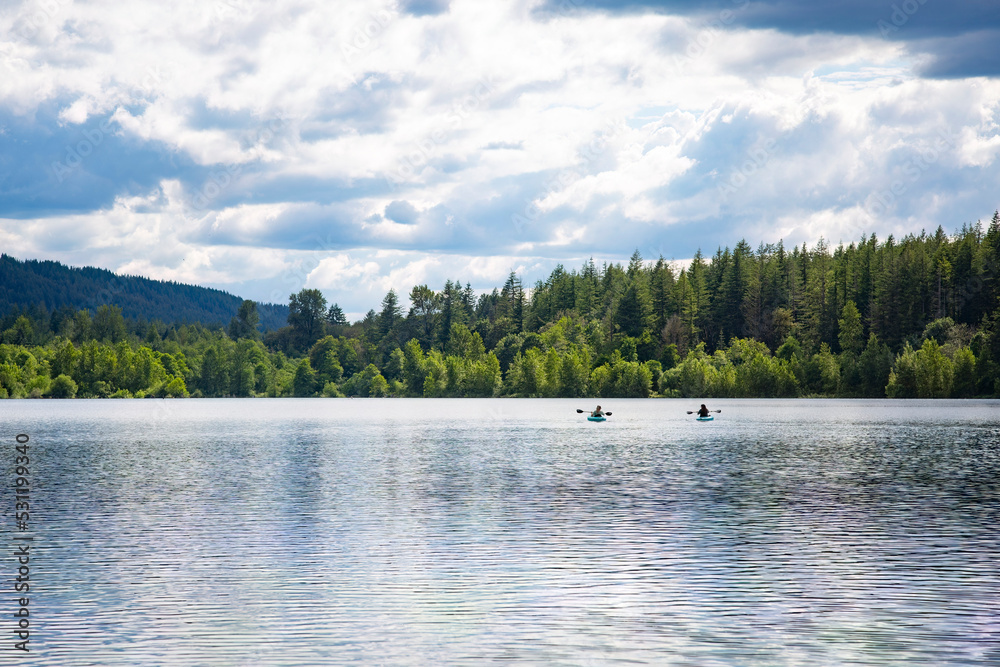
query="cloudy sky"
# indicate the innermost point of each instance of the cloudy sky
(355, 147)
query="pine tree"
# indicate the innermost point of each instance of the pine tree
(244, 324)
(390, 315)
(991, 266)
(851, 334)
(661, 285)
(512, 295)
(587, 287)
(335, 316)
(447, 300)
(629, 314)
(730, 316)
(634, 266)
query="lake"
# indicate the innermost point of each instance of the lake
(468, 531)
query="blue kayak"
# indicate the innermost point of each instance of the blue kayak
(592, 418)
(705, 419)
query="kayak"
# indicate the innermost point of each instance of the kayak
(705, 419)
(592, 418)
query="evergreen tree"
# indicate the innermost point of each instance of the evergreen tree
(629, 313)
(661, 286)
(390, 315)
(851, 332)
(512, 295)
(335, 316)
(635, 266)
(109, 325)
(587, 297)
(732, 289)
(447, 298)
(245, 323)
(424, 304)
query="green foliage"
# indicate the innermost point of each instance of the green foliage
(62, 387)
(964, 383)
(21, 333)
(574, 373)
(65, 358)
(325, 360)
(935, 371)
(367, 382)
(481, 377)
(176, 388)
(670, 357)
(414, 368)
(171, 388)
(824, 371)
(790, 349)
(620, 378)
(526, 375)
(627, 349)
(927, 304)
(630, 312)
(923, 373)
(435, 375)
(874, 366)
(393, 370)
(109, 324)
(245, 323)
(757, 373)
(306, 315)
(745, 369)
(939, 330)
(851, 336)
(390, 315)
(696, 376)
(507, 348)
(465, 343)
(23, 284)
(305, 379)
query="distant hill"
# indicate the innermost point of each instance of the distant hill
(32, 282)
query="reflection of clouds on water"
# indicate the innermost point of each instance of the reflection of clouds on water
(429, 531)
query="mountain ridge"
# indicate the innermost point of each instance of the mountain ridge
(31, 282)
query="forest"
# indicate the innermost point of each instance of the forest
(51, 285)
(917, 317)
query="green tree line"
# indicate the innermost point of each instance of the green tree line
(918, 317)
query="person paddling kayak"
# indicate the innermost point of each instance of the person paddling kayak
(598, 412)
(704, 414)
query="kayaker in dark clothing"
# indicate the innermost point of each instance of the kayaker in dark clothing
(703, 412)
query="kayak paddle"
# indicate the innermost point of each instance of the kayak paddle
(582, 411)
(691, 412)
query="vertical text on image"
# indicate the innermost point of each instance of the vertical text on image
(22, 541)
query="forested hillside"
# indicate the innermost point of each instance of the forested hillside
(916, 317)
(51, 285)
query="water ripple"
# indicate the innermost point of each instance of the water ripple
(302, 532)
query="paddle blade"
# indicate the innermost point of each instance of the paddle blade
(608, 413)
(579, 412)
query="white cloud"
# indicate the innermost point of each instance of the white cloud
(76, 113)
(405, 144)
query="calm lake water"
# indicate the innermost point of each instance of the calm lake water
(466, 532)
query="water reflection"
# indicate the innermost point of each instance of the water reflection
(461, 532)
